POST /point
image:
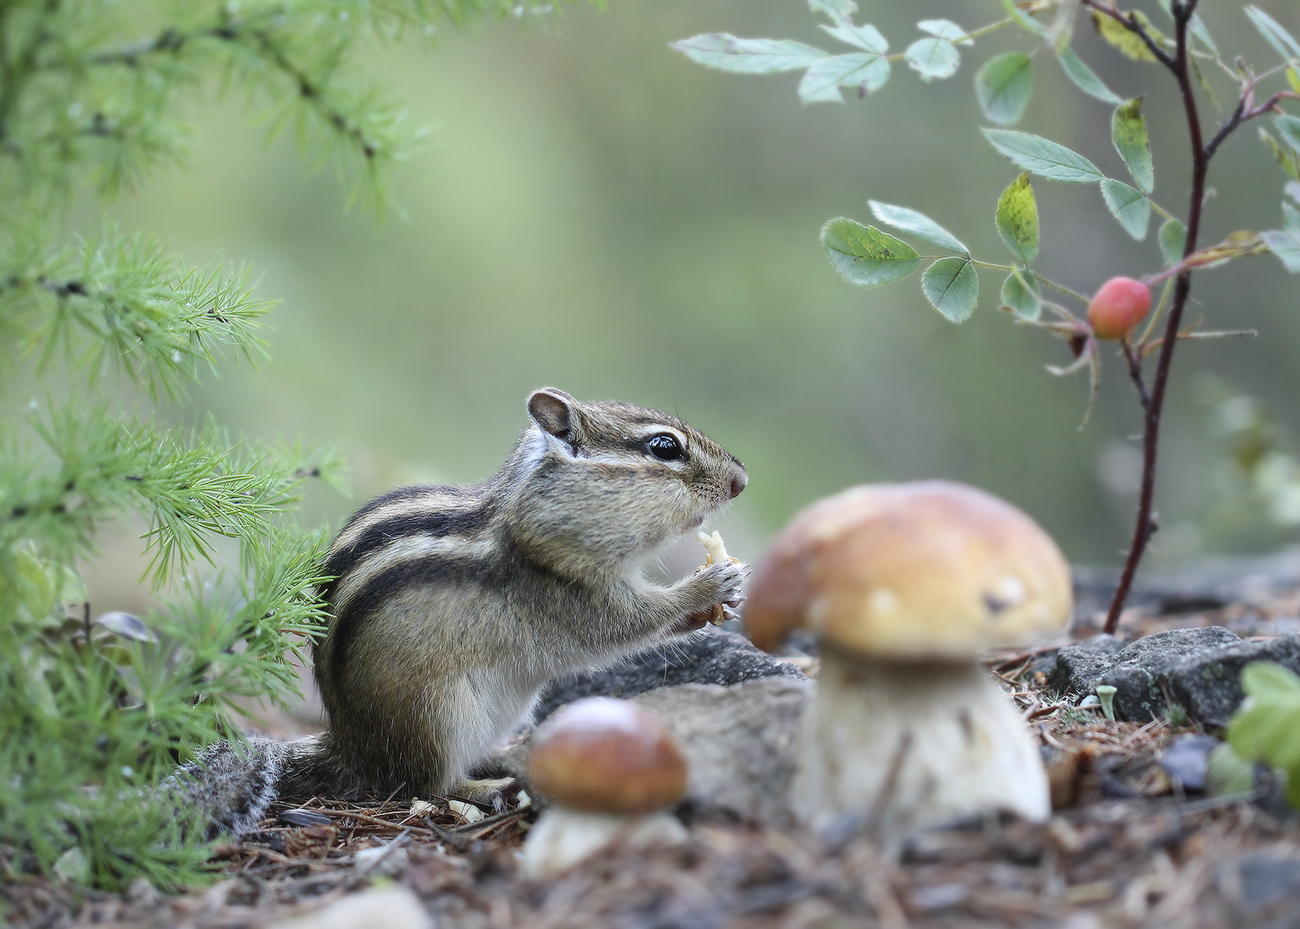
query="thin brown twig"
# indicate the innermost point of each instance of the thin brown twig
(1241, 114)
(1135, 373)
(1044, 710)
(376, 821)
(1146, 525)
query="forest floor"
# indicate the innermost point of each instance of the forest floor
(1126, 847)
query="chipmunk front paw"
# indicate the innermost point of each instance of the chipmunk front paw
(719, 587)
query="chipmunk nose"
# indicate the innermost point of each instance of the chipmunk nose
(738, 484)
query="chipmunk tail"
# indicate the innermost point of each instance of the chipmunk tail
(230, 786)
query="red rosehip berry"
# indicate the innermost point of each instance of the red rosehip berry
(1118, 306)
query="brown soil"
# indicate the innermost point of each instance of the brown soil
(1125, 848)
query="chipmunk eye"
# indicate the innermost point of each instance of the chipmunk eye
(665, 447)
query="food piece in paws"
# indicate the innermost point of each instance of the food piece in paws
(715, 553)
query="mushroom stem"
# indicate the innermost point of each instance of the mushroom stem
(561, 837)
(912, 745)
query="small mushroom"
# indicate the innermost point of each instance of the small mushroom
(610, 771)
(903, 585)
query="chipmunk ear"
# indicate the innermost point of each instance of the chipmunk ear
(554, 410)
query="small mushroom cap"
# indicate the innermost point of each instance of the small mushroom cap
(921, 570)
(606, 755)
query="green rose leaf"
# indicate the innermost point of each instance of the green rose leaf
(1128, 133)
(1003, 87)
(1017, 219)
(1025, 21)
(865, 37)
(1022, 295)
(1043, 156)
(1199, 31)
(748, 56)
(1281, 40)
(1084, 78)
(839, 9)
(920, 225)
(1285, 244)
(1173, 241)
(866, 256)
(952, 287)
(822, 82)
(865, 73)
(1127, 204)
(1288, 127)
(933, 58)
(1287, 157)
(945, 29)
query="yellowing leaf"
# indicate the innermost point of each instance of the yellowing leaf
(1127, 42)
(1237, 245)
(1017, 219)
(1129, 135)
(1286, 157)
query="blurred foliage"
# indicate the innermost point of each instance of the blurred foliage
(1259, 477)
(591, 211)
(95, 710)
(870, 257)
(1266, 727)
(624, 225)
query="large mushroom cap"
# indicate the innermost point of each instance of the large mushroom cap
(929, 569)
(606, 755)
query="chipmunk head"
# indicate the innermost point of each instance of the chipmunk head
(615, 481)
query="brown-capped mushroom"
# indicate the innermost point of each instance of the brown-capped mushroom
(903, 585)
(610, 770)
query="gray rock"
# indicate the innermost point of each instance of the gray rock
(1135, 671)
(732, 708)
(1208, 685)
(712, 656)
(739, 742)
(1187, 760)
(1198, 670)
(1140, 694)
(1078, 665)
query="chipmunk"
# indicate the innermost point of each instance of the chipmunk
(452, 606)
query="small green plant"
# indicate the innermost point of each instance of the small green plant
(1106, 694)
(1176, 716)
(1266, 727)
(96, 706)
(870, 257)
(1071, 716)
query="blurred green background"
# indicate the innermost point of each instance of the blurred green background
(593, 211)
